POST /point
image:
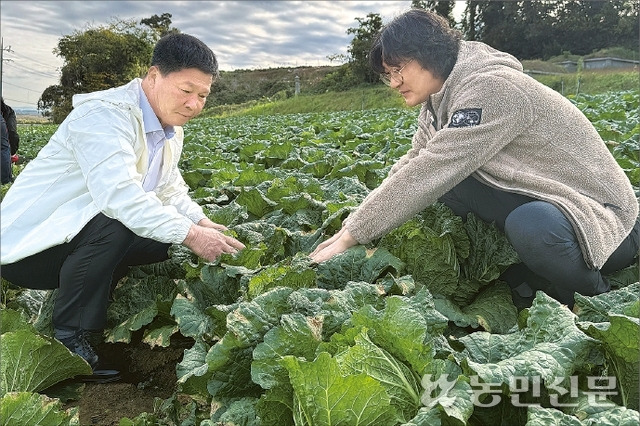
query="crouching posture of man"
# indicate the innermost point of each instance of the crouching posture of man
(105, 193)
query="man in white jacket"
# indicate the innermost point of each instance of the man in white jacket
(106, 193)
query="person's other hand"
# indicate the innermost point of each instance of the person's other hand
(334, 245)
(209, 242)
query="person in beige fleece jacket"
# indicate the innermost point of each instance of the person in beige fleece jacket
(493, 141)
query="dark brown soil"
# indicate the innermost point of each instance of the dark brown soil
(147, 373)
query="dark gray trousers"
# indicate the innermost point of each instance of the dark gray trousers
(542, 236)
(85, 270)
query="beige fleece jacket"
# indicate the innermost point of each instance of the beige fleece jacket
(529, 140)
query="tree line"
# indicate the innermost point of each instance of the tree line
(102, 57)
(539, 29)
(107, 56)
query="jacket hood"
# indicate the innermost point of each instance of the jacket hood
(475, 56)
(474, 59)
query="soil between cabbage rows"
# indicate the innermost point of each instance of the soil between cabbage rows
(147, 373)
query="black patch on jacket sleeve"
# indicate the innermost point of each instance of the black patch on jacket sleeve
(466, 117)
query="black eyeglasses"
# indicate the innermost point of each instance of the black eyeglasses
(394, 74)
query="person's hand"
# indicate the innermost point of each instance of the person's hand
(15, 158)
(207, 223)
(334, 245)
(209, 242)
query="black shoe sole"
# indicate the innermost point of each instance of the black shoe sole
(101, 376)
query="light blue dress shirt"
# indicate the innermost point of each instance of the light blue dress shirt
(156, 137)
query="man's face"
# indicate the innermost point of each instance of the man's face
(178, 96)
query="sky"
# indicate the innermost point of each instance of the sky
(242, 34)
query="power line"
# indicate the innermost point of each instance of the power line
(32, 96)
(19, 87)
(33, 60)
(35, 93)
(21, 67)
(15, 100)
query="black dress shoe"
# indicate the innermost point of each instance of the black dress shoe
(101, 376)
(79, 344)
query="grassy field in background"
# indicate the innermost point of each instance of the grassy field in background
(592, 82)
(372, 97)
(380, 96)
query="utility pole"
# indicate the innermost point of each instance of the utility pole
(1, 61)
(2, 50)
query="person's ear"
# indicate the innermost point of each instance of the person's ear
(152, 75)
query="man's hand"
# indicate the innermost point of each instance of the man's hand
(208, 242)
(334, 245)
(208, 223)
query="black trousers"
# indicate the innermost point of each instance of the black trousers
(85, 270)
(544, 240)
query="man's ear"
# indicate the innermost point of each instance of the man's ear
(152, 75)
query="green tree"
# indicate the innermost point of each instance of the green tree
(161, 25)
(469, 20)
(99, 58)
(587, 26)
(442, 8)
(627, 32)
(360, 47)
(542, 29)
(496, 22)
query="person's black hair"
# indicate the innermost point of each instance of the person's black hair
(178, 51)
(417, 34)
(5, 108)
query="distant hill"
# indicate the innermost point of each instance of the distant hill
(309, 75)
(29, 115)
(26, 111)
(239, 86)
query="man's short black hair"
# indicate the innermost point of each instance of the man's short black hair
(178, 51)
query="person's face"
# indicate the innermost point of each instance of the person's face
(413, 82)
(178, 96)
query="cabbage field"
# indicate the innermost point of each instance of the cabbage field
(412, 329)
